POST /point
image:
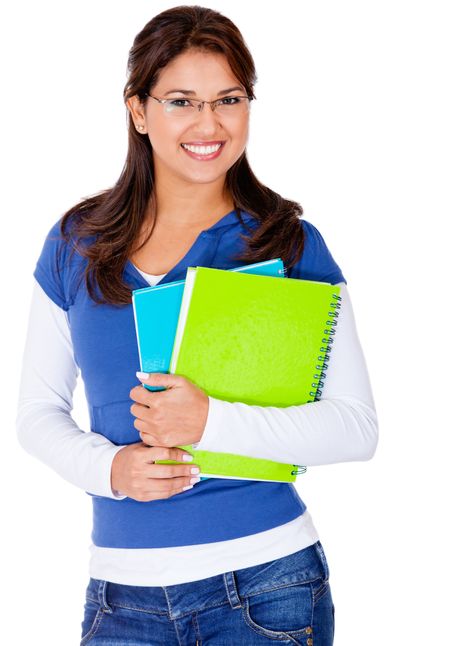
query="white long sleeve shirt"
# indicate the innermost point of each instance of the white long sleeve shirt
(341, 427)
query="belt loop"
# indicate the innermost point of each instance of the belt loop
(102, 597)
(232, 593)
(321, 553)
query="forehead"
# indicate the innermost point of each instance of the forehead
(196, 70)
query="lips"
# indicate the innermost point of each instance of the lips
(203, 156)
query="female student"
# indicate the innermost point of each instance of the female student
(175, 560)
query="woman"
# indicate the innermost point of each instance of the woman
(175, 560)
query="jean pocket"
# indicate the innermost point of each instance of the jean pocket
(93, 615)
(284, 612)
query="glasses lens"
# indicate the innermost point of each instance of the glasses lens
(232, 105)
(180, 107)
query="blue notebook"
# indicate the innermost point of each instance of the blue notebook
(156, 311)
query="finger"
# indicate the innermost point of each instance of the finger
(152, 453)
(172, 471)
(141, 395)
(166, 380)
(139, 410)
(173, 486)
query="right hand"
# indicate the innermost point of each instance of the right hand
(134, 475)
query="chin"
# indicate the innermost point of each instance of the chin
(205, 177)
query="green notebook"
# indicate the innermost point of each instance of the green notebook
(253, 339)
(229, 465)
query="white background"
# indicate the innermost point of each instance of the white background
(351, 120)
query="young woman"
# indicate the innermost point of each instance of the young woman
(175, 560)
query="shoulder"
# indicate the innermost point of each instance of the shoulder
(316, 262)
(55, 267)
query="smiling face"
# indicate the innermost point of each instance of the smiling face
(207, 75)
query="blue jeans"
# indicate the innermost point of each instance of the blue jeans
(285, 601)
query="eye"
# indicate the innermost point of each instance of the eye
(176, 103)
(227, 100)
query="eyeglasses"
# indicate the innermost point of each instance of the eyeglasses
(228, 106)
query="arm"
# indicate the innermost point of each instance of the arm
(341, 427)
(45, 427)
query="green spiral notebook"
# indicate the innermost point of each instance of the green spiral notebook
(253, 339)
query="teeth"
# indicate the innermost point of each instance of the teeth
(202, 150)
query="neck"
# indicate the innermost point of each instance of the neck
(192, 205)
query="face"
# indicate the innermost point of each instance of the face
(207, 74)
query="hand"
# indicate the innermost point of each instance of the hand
(134, 475)
(173, 417)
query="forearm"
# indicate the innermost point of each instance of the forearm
(322, 432)
(44, 424)
(52, 435)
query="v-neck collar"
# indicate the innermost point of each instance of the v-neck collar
(196, 253)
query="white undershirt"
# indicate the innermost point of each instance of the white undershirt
(341, 427)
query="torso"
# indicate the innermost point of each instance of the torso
(163, 251)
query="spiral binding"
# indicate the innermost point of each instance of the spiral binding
(326, 348)
(299, 470)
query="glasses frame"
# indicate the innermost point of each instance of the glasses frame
(200, 102)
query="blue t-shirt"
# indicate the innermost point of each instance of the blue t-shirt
(105, 349)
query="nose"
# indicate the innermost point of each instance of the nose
(207, 117)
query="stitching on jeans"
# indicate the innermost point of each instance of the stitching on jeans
(196, 628)
(321, 554)
(226, 588)
(150, 611)
(168, 603)
(280, 587)
(318, 594)
(276, 635)
(155, 612)
(176, 630)
(95, 626)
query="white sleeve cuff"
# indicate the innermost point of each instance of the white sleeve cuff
(102, 485)
(214, 423)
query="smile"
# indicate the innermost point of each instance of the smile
(203, 152)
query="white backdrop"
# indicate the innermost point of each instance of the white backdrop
(351, 119)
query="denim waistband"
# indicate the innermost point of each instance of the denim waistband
(176, 601)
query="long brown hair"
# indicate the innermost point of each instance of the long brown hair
(114, 217)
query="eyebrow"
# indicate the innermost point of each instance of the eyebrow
(230, 89)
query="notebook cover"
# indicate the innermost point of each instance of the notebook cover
(253, 339)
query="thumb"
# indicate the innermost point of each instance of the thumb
(159, 379)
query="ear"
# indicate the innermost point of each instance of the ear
(136, 109)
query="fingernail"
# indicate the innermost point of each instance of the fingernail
(195, 480)
(195, 470)
(188, 487)
(187, 458)
(142, 375)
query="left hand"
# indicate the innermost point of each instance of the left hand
(172, 417)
